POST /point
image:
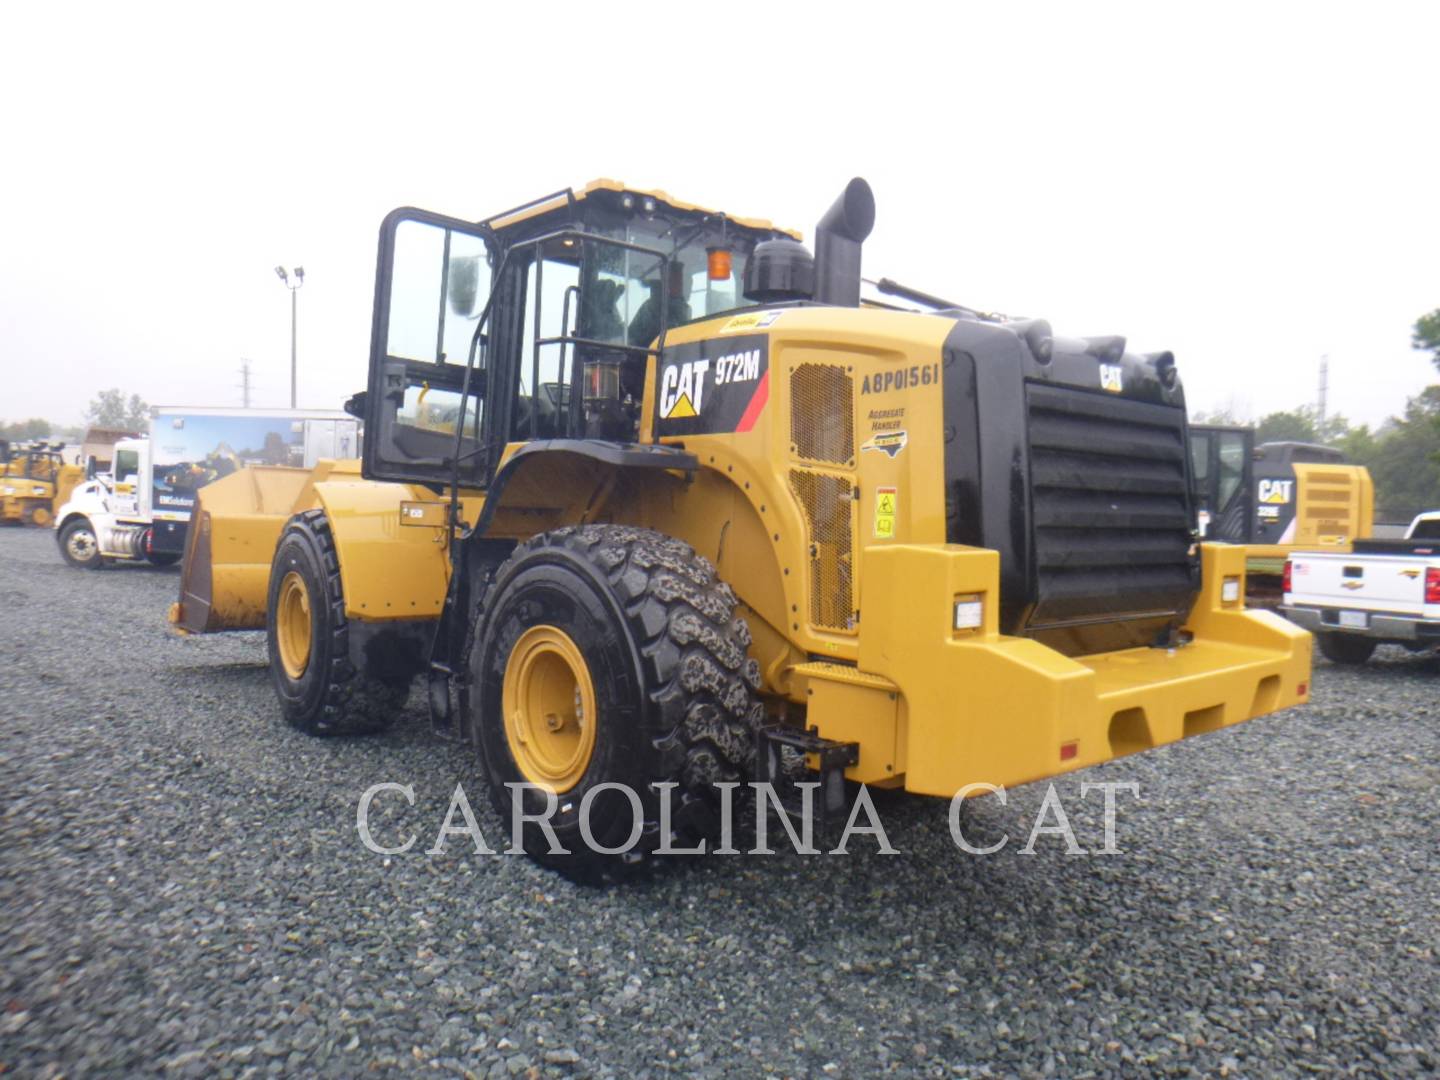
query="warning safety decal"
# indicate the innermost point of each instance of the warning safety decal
(712, 387)
(885, 509)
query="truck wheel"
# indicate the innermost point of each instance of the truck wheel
(79, 546)
(1345, 648)
(612, 655)
(307, 637)
(36, 515)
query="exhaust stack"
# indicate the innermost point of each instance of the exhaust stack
(838, 239)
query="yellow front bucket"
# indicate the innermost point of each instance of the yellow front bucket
(233, 532)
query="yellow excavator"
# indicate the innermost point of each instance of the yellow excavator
(651, 497)
(1276, 498)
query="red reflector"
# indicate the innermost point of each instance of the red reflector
(1069, 750)
(1285, 585)
(1432, 585)
(1303, 689)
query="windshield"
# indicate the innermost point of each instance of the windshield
(630, 292)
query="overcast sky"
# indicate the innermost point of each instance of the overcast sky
(1251, 186)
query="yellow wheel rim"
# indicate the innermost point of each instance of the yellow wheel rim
(549, 705)
(292, 625)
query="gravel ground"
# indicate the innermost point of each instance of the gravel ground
(183, 890)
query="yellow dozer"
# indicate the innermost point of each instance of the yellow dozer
(34, 480)
(651, 497)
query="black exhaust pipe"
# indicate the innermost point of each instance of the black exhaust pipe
(838, 239)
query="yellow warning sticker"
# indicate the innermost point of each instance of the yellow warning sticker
(755, 320)
(885, 506)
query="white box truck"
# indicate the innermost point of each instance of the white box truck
(140, 509)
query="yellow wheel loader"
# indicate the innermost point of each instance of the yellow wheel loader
(34, 480)
(651, 498)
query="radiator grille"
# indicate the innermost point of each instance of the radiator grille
(1111, 512)
(822, 413)
(827, 504)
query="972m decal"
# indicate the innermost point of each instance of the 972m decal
(712, 387)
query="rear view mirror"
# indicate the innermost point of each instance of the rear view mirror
(463, 285)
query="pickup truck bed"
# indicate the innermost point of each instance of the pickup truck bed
(1382, 591)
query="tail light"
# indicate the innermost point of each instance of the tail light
(1432, 585)
(1285, 585)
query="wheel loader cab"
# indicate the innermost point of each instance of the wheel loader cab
(541, 320)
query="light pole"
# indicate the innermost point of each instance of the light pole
(299, 281)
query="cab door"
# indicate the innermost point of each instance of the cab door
(126, 478)
(432, 319)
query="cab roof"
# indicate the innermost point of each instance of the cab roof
(548, 203)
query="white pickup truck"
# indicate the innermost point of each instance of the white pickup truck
(1382, 591)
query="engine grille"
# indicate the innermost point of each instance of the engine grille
(822, 413)
(1110, 509)
(826, 499)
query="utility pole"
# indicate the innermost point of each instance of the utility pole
(1324, 392)
(245, 382)
(299, 281)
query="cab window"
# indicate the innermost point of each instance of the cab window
(544, 386)
(438, 287)
(1232, 466)
(436, 283)
(127, 464)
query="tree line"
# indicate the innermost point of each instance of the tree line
(108, 409)
(1402, 454)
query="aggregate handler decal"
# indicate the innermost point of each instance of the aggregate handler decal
(891, 442)
(714, 386)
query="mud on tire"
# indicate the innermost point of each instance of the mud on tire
(668, 657)
(331, 697)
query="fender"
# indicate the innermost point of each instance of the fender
(391, 537)
(557, 476)
(392, 565)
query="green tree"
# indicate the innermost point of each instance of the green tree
(1358, 444)
(110, 409)
(1426, 335)
(34, 428)
(1297, 425)
(1405, 464)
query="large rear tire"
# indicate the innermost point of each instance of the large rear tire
(1345, 648)
(612, 655)
(79, 546)
(307, 636)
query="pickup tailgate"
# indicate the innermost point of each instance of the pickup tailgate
(1391, 583)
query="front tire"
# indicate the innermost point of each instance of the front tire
(79, 545)
(307, 636)
(1345, 648)
(612, 655)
